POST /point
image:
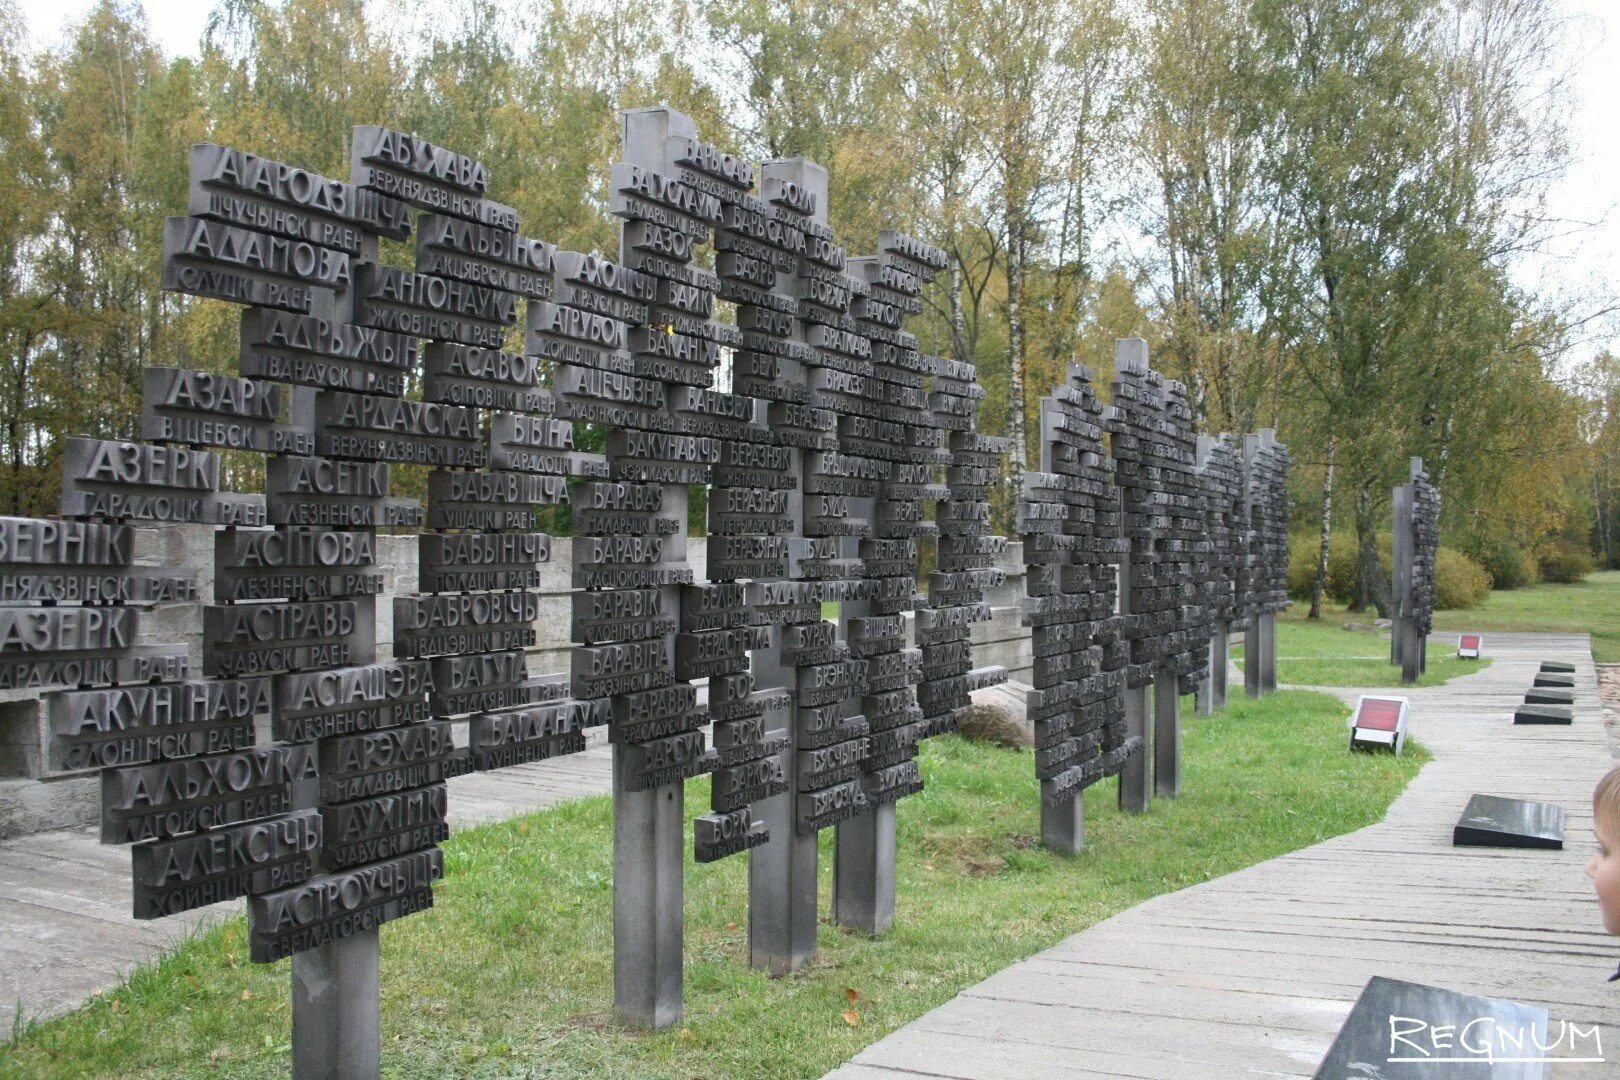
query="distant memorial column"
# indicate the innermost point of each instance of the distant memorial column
(1416, 538)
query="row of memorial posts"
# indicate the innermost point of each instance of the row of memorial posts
(820, 460)
(1146, 546)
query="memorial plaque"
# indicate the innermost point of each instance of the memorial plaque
(311, 351)
(295, 565)
(1549, 695)
(1405, 1031)
(1379, 722)
(1493, 821)
(1563, 666)
(130, 725)
(333, 906)
(1554, 678)
(202, 409)
(194, 871)
(258, 638)
(1544, 714)
(154, 802)
(347, 701)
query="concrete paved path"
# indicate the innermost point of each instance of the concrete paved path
(65, 925)
(1251, 974)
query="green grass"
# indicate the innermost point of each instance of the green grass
(510, 974)
(1324, 653)
(1592, 606)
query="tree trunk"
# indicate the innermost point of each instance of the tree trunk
(1320, 583)
(958, 316)
(1017, 458)
(1372, 585)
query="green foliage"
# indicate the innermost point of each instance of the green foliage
(1565, 562)
(510, 973)
(1509, 566)
(1459, 582)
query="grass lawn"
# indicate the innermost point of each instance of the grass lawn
(1324, 653)
(1593, 606)
(510, 974)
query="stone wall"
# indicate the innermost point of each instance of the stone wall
(35, 800)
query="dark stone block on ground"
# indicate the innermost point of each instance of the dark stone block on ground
(1554, 678)
(1544, 714)
(1368, 1044)
(1493, 821)
(1558, 665)
(1549, 695)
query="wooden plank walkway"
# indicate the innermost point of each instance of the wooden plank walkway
(1251, 974)
(65, 925)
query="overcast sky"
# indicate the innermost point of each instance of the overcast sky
(1583, 262)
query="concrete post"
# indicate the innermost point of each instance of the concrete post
(1166, 735)
(782, 889)
(1267, 653)
(863, 871)
(335, 1011)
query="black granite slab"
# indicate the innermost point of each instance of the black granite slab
(1398, 1031)
(1544, 714)
(1558, 665)
(1493, 821)
(1549, 695)
(1553, 678)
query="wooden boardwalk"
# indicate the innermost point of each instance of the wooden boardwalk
(65, 925)
(1252, 973)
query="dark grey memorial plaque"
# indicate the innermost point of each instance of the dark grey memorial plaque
(1553, 678)
(1558, 665)
(1494, 821)
(1544, 714)
(1406, 1031)
(1549, 695)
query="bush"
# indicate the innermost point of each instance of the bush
(1459, 582)
(1566, 562)
(1508, 566)
(1340, 586)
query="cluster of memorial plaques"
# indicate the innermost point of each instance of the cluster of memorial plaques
(1266, 465)
(820, 459)
(1141, 555)
(295, 603)
(1416, 544)
(1155, 461)
(1551, 697)
(1070, 522)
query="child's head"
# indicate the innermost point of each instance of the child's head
(1604, 869)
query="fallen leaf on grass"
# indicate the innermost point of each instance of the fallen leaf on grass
(851, 1017)
(852, 993)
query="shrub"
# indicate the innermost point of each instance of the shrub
(1340, 586)
(1566, 562)
(1509, 567)
(1459, 582)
